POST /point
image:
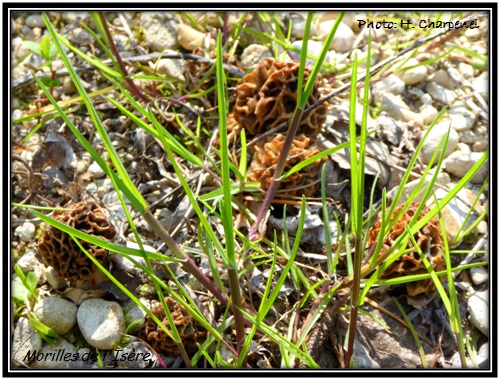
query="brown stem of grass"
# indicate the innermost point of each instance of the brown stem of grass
(129, 82)
(354, 298)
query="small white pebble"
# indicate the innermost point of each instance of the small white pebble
(25, 231)
(480, 146)
(482, 227)
(34, 21)
(479, 275)
(479, 311)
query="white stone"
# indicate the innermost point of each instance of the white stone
(442, 78)
(26, 338)
(459, 163)
(441, 93)
(466, 70)
(482, 227)
(122, 43)
(442, 179)
(81, 36)
(104, 186)
(464, 147)
(53, 279)
(30, 263)
(397, 108)
(25, 231)
(35, 21)
(101, 322)
(482, 359)
(57, 313)
(469, 137)
(415, 75)
(461, 123)
(479, 311)
(343, 39)
(134, 313)
(392, 84)
(333, 233)
(299, 25)
(172, 67)
(253, 54)
(58, 362)
(71, 17)
(461, 118)
(161, 30)
(428, 114)
(482, 85)
(434, 138)
(457, 216)
(17, 114)
(313, 48)
(96, 171)
(480, 146)
(479, 275)
(426, 99)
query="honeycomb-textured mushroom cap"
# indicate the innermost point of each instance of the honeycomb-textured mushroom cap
(428, 238)
(266, 154)
(61, 252)
(267, 97)
(186, 325)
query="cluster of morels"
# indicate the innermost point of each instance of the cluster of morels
(429, 240)
(266, 98)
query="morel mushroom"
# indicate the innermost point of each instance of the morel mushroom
(267, 97)
(428, 238)
(186, 325)
(61, 252)
(266, 154)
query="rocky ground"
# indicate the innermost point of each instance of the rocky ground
(51, 169)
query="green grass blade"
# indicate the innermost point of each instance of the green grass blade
(413, 333)
(319, 62)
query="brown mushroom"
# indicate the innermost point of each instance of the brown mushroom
(267, 97)
(428, 238)
(61, 252)
(266, 154)
(186, 325)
